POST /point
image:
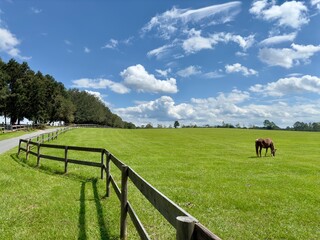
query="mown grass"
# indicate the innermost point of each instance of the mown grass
(212, 173)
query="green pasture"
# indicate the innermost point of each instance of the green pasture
(8, 135)
(213, 174)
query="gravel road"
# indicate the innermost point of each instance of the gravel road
(8, 144)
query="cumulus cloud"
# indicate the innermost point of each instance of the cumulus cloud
(196, 42)
(289, 14)
(238, 68)
(138, 78)
(100, 83)
(163, 109)
(278, 39)
(167, 24)
(288, 57)
(290, 85)
(233, 107)
(9, 44)
(189, 71)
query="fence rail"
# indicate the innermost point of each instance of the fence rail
(187, 227)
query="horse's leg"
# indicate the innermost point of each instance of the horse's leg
(266, 151)
(260, 151)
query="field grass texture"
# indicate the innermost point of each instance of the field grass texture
(213, 174)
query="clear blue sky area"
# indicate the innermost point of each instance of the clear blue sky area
(198, 62)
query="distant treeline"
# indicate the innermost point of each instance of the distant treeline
(41, 99)
(267, 125)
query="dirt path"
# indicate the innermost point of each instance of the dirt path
(8, 144)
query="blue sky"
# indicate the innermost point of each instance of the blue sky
(199, 62)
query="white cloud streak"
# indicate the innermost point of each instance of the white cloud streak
(196, 42)
(100, 83)
(189, 71)
(278, 39)
(167, 24)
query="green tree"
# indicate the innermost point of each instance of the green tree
(176, 124)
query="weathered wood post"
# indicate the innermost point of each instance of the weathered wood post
(28, 149)
(124, 202)
(65, 159)
(42, 136)
(102, 162)
(38, 154)
(108, 173)
(185, 228)
(19, 147)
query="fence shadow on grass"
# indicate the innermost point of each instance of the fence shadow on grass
(104, 234)
(82, 225)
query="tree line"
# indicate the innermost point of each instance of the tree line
(41, 99)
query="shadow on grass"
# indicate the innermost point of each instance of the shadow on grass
(104, 233)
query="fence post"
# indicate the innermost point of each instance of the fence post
(108, 173)
(28, 149)
(65, 159)
(185, 228)
(102, 162)
(42, 137)
(124, 202)
(19, 147)
(38, 155)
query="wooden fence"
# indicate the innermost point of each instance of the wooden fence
(187, 227)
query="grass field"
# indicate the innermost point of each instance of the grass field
(211, 173)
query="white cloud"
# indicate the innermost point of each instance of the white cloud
(9, 43)
(189, 71)
(237, 67)
(138, 78)
(113, 43)
(162, 109)
(87, 50)
(214, 74)
(164, 72)
(67, 42)
(279, 39)
(100, 83)
(196, 42)
(36, 10)
(172, 21)
(161, 51)
(316, 3)
(288, 57)
(233, 107)
(290, 85)
(290, 14)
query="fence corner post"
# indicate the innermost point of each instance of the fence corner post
(185, 228)
(124, 202)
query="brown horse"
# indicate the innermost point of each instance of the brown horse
(265, 143)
